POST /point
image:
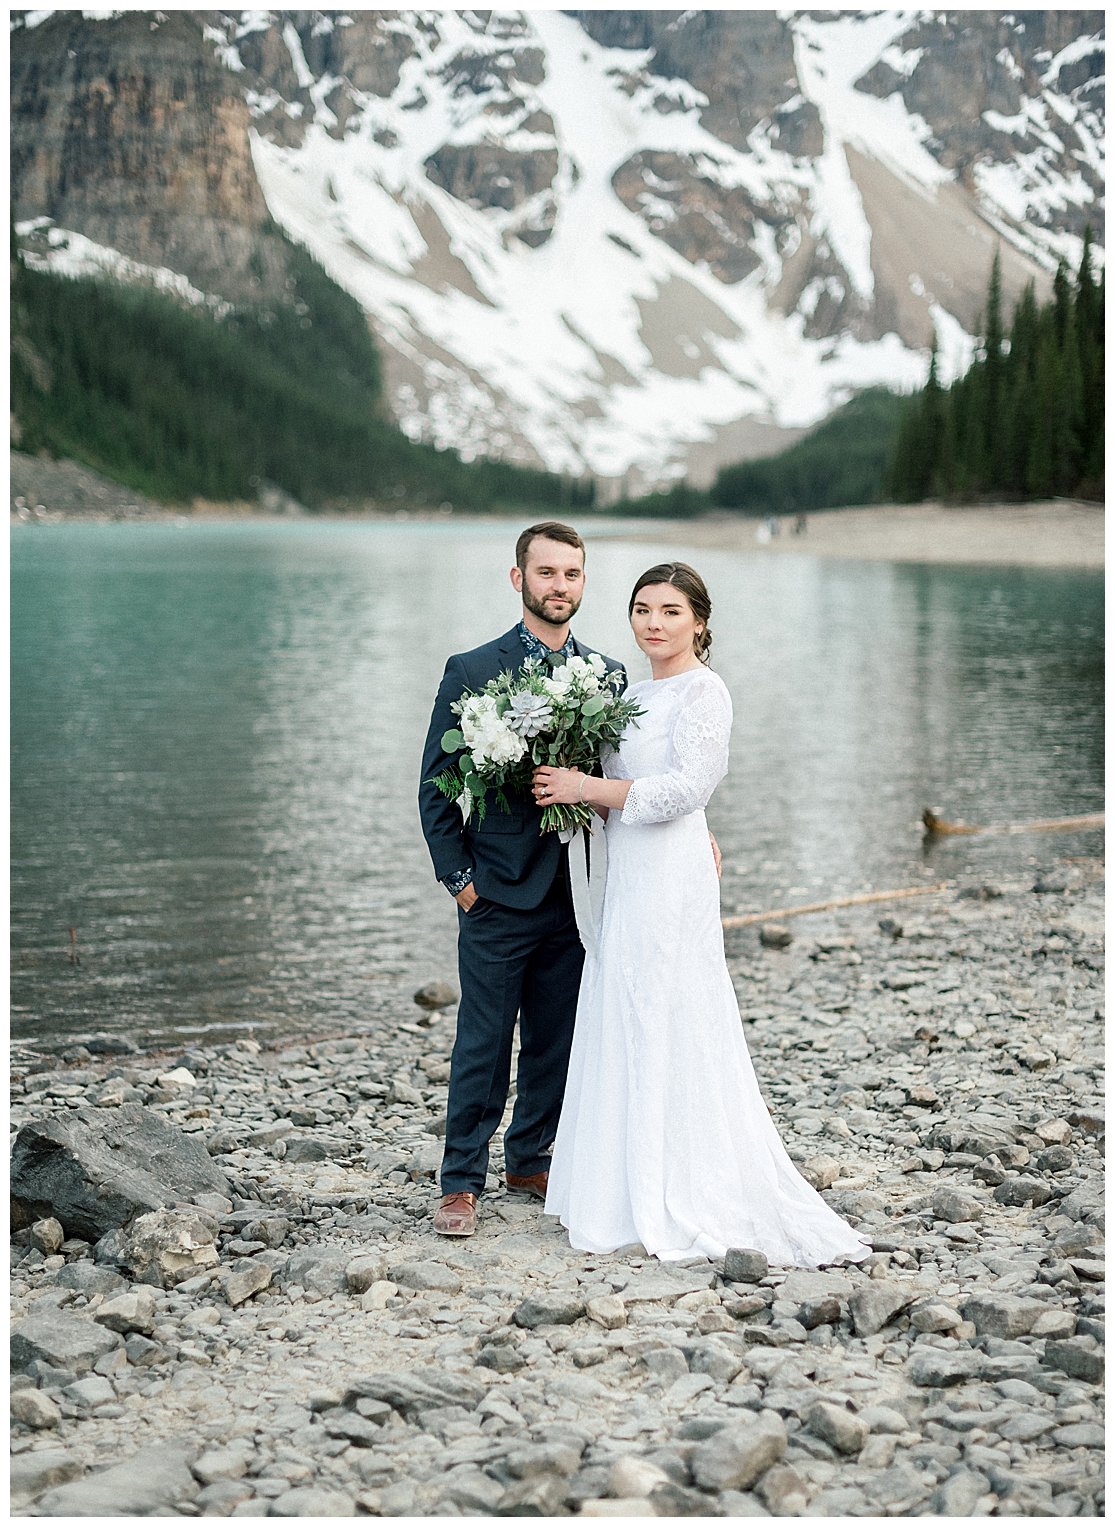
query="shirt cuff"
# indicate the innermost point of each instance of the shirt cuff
(456, 882)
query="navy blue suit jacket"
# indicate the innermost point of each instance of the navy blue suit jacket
(512, 863)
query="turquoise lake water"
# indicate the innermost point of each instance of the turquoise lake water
(216, 733)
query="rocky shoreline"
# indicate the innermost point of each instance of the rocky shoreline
(227, 1298)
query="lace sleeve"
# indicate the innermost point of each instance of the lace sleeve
(698, 761)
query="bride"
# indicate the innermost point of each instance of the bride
(664, 1137)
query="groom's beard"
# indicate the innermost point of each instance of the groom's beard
(548, 609)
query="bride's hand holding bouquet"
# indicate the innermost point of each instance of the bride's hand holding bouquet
(556, 716)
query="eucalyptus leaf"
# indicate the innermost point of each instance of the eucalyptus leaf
(451, 741)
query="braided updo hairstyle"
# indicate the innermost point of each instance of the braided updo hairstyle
(690, 583)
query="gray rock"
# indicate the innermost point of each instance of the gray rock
(500, 1358)
(312, 1501)
(673, 1499)
(164, 1247)
(666, 1363)
(154, 1479)
(738, 1454)
(873, 1304)
(1026, 1428)
(783, 1490)
(96, 1169)
(125, 1313)
(1080, 1357)
(475, 1493)
(428, 1275)
(976, 1135)
(221, 1463)
(34, 1409)
(548, 1310)
(899, 1488)
(884, 1420)
(271, 1230)
(1018, 1191)
(929, 1367)
(715, 1360)
(543, 1458)
(30, 1474)
(299, 1152)
(320, 1269)
(1081, 1434)
(838, 1427)
(737, 1503)
(245, 1281)
(411, 1394)
(62, 1340)
(356, 1429)
(363, 1271)
(87, 1278)
(819, 1312)
(957, 1495)
(742, 1265)
(1001, 1315)
(543, 1495)
(775, 936)
(220, 1498)
(142, 1353)
(47, 1236)
(266, 1136)
(222, 1143)
(1058, 1158)
(90, 1392)
(934, 1316)
(854, 1203)
(955, 1206)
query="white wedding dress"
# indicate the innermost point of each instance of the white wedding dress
(664, 1137)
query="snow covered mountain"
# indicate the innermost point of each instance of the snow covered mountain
(640, 244)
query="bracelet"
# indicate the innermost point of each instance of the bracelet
(581, 789)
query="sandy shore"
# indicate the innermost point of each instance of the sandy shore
(1056, 534)
(1061, 533)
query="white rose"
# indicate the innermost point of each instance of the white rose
(597, 664)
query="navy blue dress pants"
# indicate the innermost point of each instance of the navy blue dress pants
(512, 964)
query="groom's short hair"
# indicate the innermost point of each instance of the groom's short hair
(549, 530)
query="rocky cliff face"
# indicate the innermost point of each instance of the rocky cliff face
(621, 242)
(131, 133)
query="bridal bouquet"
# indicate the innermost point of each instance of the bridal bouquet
(559, 712)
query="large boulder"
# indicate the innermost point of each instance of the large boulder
(97, 1169)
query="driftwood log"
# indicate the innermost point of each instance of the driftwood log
(937, 826)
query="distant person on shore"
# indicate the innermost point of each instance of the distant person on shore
(800, 525)
(519, 951)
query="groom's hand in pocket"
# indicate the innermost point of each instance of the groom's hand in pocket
(715, 856)
(465, 898)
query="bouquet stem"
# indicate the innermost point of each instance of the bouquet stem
(558, 818)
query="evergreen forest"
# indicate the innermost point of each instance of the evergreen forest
(843, 461)
(179, 404)
(1026, 420)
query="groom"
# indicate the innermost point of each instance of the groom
(519, 954)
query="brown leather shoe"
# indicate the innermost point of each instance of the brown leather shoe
(456, 1214)
(530, 1187)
